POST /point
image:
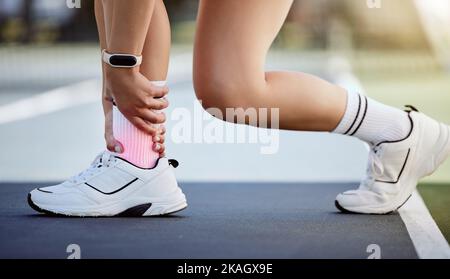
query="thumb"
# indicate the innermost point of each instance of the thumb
(113, 145)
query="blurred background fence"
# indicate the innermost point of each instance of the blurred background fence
(37, 37)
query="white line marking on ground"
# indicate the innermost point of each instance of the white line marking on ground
(425, 234)
(51, 101)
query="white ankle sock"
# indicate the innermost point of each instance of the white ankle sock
(372, 121)
(138, 146)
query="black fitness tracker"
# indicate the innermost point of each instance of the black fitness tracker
(121, 60)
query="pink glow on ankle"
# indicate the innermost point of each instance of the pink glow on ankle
(138, 146)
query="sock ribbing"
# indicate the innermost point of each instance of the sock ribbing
(138, 146)
(383, 123)
(372, 121)
(352, 110)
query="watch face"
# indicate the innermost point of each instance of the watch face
(123, 60)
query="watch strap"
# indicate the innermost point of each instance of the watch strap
(106, 57)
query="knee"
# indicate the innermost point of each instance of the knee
(216, 93)
(222, 92)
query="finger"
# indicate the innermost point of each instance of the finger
(115, 146)
(107, 92)
(157, 91)
(108, 98)
(162, 129)
(160, 138)
(159, 148)
(157, 104)
(162, 151)
(156, 147)
(152, 117)
(144, 126)
(112, 144)
(107, 108)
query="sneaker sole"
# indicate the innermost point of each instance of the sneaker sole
(142, 210)
(346, 211)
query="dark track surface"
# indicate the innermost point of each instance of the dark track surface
(223, 220)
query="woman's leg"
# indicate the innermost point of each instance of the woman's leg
(111, 142)
(157, 45)
(232, 41)
(157, 41)
(233, 38)
(137, 146)
(111, 186)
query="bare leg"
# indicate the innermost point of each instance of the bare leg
(232, 41)
(111, 143)
(157, 45)
(156, 52)
(156, 49)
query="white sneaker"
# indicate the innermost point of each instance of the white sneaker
(112, 186)
(395, 167)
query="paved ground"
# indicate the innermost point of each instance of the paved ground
(224, 220)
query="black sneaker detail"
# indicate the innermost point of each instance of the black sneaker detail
(174, 163)
(401, 171)
(343, 210)
(156, 164)
(32, 205)
(40, 210)
(407, 136)
(362, 119)
(135, 211)
(404, 202)
(356, 117)
(411, 108)
(44, 191)
(113, 192)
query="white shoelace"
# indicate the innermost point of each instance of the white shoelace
(375, 167)
(103, 160)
